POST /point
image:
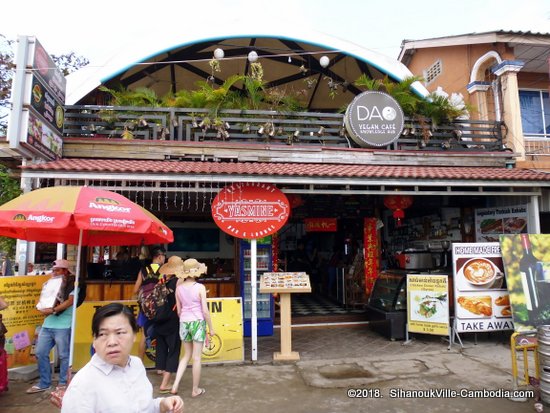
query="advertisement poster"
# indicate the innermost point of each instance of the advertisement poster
(21, 318)
(428, 304)
(527, 267)
(225, 346)
(23, 322)
(481, 299)
(492, 222)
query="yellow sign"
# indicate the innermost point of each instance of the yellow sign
(428, 304)
(226, 345)
(21, 318)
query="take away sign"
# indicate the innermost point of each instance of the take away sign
(250, 210)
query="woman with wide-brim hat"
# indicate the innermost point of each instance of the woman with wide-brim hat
(194, 316)
(166, 323)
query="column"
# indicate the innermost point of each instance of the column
(507, 73)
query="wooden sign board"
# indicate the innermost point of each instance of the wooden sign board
(285, 282)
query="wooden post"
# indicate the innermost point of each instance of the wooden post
(286, 352)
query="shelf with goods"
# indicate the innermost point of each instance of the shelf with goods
(264, 302)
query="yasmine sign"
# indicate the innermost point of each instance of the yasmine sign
(250, 210)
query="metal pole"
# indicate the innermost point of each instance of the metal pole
(75, 299)
(253, 313)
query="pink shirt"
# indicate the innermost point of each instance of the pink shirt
(190, 300)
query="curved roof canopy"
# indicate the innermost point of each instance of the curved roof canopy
(291, 62)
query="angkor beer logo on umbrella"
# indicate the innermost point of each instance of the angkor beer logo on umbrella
(108, 204)
(35, 218)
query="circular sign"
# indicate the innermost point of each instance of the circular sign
(374, 119)
(250, 210)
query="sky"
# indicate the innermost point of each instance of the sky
(98, 29)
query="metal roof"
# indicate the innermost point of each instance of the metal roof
(299, 177)
(169, 59)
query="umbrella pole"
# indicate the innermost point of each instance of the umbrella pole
(75, 299)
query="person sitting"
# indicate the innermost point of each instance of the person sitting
(113, 380)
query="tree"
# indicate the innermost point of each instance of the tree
(6, 73)
(9, 189)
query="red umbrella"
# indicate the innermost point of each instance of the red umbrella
(59, 214)
(80, 215)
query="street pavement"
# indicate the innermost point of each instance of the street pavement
(346, 369)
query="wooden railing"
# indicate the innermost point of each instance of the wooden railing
(254, 126)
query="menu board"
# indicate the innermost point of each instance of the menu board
(428, 304)
(482, 302)
(492, 222)
(285, 282)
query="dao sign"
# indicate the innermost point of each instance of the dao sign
(250, 210)
(374, 119)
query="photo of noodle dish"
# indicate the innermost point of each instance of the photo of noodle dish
(431, 307)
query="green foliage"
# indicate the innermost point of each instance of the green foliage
(437, 108)
(9, 189)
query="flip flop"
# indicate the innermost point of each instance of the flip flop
(200, 393)
(164, 391)
(36, 389)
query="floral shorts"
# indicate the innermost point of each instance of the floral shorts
(193, 330)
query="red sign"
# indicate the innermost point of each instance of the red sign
(250, 210)
(321, 224)
(371, 253)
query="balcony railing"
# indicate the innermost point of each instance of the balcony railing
(275, 128)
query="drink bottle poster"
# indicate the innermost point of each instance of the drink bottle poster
(526, 260)
(481, 300)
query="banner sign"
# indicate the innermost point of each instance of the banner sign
(225, 346)
(492, 222)
(21, 318)
(372, 250)
(23, 322)
(481, 299)
(321, 224)
(527, 267)
(428, 304)
(250, 210)
(38, 96)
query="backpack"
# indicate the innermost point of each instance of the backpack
(155, 306)
(145, 299)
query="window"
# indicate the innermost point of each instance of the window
(433, 71)
(535, 113)
(195, 239)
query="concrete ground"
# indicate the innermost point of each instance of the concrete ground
(339, 362)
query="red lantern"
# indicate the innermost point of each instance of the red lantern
(398, 203)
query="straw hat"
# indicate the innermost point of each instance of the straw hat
(193, 268)
(174, 265)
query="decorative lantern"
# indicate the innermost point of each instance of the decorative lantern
(397, 203)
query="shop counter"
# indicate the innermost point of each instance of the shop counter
(112, 290)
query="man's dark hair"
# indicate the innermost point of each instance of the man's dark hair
(157, 251)
(111, 310)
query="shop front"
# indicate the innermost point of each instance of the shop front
(370, 192)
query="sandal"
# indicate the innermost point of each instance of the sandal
(164, 391)
(200, 393)
(36, 389)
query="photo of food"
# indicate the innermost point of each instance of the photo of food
(479, 273)
(504, 312)
(514, 225)
(479, 306)
(429, 307)
(491, 226)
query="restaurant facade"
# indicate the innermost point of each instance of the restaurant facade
(359, 206)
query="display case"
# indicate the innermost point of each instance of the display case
(387, 305)
(264, 302)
